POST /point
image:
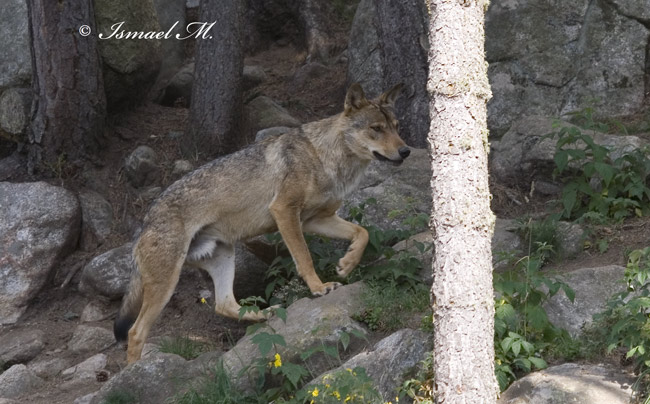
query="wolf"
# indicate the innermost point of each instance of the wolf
(291, 183)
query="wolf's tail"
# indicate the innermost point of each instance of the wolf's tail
(131, 304)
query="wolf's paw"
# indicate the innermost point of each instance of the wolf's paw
(344, 270)
(327, 287)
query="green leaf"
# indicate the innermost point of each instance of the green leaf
(281, 312)
(538, 362)
(345, 340)
(265, 341)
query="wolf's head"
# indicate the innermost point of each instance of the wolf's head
(374, 126)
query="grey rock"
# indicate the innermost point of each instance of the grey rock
(151, 380)
(180, 168)
(250, 274)
(94, 311)
(570, 237)
(505, 239)
(391, 360)
(108, 274)
(22, 345)
(97, 219)
(87, 399)
(550, 58)
(592, 287)
(403, 188)
(425, 257)
(310, 323)
(171, 14)
(130, 65)
(49, 367)
(263, 113)
(571, 383)
(307, 73)
(141, 167)
(253, 76)
(17, 381)
(276, 130)
(525, 153)
(90, 339)
(148, 194)
(180, 86)
(15, 105)
(384, 34)
(85, 369)
(39, 224)
(16, 60)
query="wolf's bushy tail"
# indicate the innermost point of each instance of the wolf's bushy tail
(131, 304)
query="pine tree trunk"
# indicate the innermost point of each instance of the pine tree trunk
(462, 222)
(69, 105)
(216, 109)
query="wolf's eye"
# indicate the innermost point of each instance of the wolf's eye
(376, 128)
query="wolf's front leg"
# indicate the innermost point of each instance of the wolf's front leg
(287, 219)
(335, 227)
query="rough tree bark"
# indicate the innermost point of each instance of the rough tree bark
(69, 106)
(216, 108)
(462, 222)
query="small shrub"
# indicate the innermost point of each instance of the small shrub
(120, 397)
(600, 187)
(184, 347)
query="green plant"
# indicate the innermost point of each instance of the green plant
(522, 331)
(420, 388)
(600, 186)
(627, 313)
(216, 388)
(119, 397)
(183, 346)
(386, 307)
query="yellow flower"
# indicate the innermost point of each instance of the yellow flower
(204, 301)
(315, 392)
(278, 361)
(337, 394)
(347, 398)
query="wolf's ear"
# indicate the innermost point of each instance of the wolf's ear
(355, 98)
(390, 96)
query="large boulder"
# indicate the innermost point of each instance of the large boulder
(263, 112)
(384, 34)
(571, 383)
(109, 273)
(549, 57)
(525, 153)
(15, 110)
(39, 224)
(391, 361)
(16, 59)
(151, 380)
(310, 323)
(593, 287)
(403, 188)
(97, 219)
(18, 380)
(21, 345)
(130, 65)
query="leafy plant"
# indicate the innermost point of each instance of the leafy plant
(628, 312)
(420, 388)
(600, 186)
(216, 388)
(522, 331)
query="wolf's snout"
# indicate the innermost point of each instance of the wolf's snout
(404, 152)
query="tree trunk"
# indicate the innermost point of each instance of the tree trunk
(216, 108)
(462, 222)
(69, 105)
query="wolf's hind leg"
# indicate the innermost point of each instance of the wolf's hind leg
(159, 272)
(335, 227)
(221, 267)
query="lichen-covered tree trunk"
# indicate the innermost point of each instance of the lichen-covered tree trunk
(69, 104)
(462, 222)
(215, 113)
